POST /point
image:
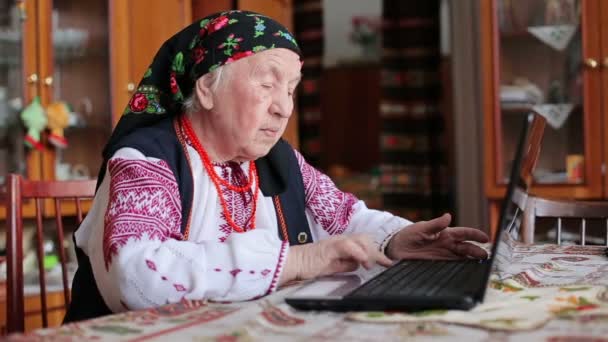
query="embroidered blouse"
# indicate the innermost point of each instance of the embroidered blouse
(140, 258)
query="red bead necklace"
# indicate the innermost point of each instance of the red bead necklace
(216, 179)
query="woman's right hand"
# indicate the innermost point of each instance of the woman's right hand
(342, 253)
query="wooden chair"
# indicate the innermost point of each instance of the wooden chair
(562, 209)
(19, 190)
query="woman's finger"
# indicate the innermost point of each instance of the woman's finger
(345, 265)
(470, 250)
(465, 233)
(372, 251)
(352, 250)
(431, 229)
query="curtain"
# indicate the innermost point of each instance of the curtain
(413, 170)
(308, 27)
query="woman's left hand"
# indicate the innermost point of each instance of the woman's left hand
(434, 240)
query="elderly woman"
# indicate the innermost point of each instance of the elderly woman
(199, 198)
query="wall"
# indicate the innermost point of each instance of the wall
(337, 26)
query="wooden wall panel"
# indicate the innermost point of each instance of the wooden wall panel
(202, 8)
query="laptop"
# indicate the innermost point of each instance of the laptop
(412, 285)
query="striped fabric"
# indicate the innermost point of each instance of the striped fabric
(308, 28)
(413, 162)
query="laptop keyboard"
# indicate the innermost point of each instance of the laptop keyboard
(423, 278)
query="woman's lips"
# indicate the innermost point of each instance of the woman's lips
(270, 132)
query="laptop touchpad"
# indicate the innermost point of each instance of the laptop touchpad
(328, 287)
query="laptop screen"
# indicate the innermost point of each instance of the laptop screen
(520, 181)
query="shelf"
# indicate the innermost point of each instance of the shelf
(516, 109)
(515, 34)
(68, 44)
(523, 109)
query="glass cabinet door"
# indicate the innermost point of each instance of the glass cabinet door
(77, 87)
(13, 87)
(542, 68)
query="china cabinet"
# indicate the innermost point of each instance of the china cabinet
(549, 56)
(80, 61)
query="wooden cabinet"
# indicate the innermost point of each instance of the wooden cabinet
(87, 54)
(552, 57)
(124, 36)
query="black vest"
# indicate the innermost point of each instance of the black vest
(279, 176)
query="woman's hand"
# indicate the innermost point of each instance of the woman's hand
(343, 253)
(435, 240)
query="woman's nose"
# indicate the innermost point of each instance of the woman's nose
(282, 105)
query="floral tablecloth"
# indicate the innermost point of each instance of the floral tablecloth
(550, 293)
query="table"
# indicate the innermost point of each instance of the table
(550, 293)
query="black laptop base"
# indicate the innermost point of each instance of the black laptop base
(411, 286)
(384, 304)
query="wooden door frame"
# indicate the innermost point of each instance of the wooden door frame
(31, 90)
(119, 56)
(591, 27)
(44, 12)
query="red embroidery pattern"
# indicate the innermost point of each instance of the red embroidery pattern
(275, 278)
(144, 201)
(236, 271)
(276, 316)
(331, 208)
(151, 265)
(238, 203)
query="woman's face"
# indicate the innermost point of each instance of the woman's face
(252, 107)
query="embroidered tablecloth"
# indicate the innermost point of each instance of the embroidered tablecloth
(550, 293)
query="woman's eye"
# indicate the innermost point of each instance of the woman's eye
(267, 85)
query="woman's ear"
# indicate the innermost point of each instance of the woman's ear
(204, 95)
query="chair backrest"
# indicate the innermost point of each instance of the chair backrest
(19, 190)
(563, 209)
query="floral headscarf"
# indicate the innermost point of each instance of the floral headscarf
(202, 47)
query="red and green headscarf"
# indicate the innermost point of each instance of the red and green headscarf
(200, 48)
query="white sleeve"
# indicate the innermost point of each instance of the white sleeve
(141, 259)
(330, 211)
